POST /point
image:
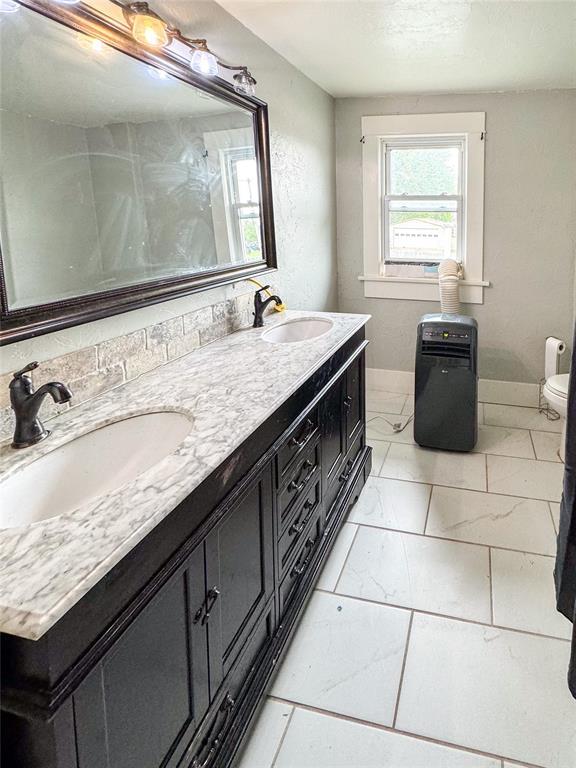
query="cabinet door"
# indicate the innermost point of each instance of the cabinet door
(151, 688)
(354, 400)
(239, 572)
(333, 431)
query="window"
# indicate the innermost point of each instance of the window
(422, 198)
(423, 178)
(234, 195)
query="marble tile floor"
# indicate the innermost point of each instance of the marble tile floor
(432, 639)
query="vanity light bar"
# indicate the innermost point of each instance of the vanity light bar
(150, 29)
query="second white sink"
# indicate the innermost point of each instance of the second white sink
(300, 329)
(90, 466)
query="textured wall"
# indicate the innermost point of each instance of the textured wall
(529, 226)
(302, 148)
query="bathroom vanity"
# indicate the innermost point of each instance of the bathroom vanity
(143, 629)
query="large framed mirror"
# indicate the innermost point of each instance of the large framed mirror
(126, 179)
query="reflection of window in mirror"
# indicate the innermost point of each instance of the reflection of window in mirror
(235, 199)
(244, 203)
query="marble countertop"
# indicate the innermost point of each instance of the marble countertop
(228, 389)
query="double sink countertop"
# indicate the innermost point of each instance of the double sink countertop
(227, 390)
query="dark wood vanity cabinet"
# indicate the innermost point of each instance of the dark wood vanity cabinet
(173, 678)
(145, 700)
(342, 418)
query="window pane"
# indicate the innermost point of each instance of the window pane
(249, 224)
(246, 181)
(426, 171)
(422, 235)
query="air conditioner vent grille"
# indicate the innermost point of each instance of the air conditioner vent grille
(442, 349)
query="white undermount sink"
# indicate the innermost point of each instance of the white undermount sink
(300, 329)
(90, 466)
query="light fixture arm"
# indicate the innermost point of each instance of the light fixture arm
(202, 44)
(209, 62)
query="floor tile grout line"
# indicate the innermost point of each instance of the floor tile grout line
(390, 439)
(486, 471)
(347, 555)
(403, 669)
(284, 732)
(388, 444)
(450, 617)
(491, 584)
(471, 490)
(533, 444)
(445, 538)
(552, 516)
(400, 732)
(428, 510)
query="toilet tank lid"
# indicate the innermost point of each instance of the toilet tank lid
(559, 383)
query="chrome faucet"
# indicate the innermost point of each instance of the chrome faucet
(260, 305)
(26, 403)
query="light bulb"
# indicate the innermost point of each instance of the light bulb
(8, 6)
(148, 30)
(204, 62)
(68, 2)
(244, 83)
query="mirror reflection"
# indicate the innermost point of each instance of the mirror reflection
(114, 173)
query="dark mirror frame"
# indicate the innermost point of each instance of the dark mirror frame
(28, 322)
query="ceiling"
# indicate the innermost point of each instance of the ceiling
(379, 47)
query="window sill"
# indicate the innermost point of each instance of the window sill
(419, 288)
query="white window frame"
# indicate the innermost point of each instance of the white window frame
(469, 127)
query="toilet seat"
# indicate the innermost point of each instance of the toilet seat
(556, 392)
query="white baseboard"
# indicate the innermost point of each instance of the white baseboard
(489, 390)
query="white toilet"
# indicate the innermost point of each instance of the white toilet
(556, 393)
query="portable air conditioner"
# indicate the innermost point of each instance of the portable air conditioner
(446, 387)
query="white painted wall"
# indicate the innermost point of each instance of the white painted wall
(530, 229)
(302, 148)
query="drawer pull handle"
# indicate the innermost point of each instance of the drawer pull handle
(299, 569)
(348, 400)
(294, 485)
(308, 429)
(346, 474)
(297, 529)
(213, 743)
(211, 597)
(207, 604)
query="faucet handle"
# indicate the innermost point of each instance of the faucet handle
(27, 368)
(264, 288)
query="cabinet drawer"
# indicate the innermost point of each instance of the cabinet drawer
(301, 436)
(297, 526)
(297, 482)
(203, 752)
(297, 570)
(342, 476)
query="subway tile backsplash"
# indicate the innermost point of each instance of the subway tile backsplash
(96, 369)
